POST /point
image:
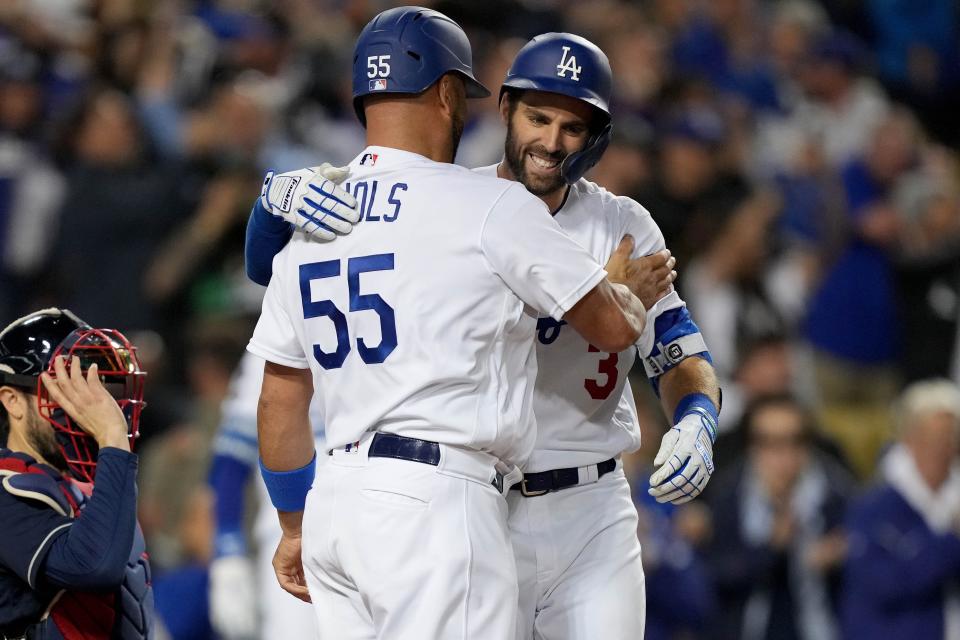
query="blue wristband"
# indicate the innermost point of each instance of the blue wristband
(288, 489)
(701, 404)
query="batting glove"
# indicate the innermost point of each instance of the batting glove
(312, 200)
(233, 598)
(685, 459)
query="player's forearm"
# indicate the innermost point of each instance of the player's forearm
(691, 375)
(287, 456)
(283, 423)
(634, 313)
(609, 317)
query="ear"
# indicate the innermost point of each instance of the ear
(449, 89)
(14, 401)
(505, 107)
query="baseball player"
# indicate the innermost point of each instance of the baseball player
(416, 333)
(245, 599)
(572, 521)
(72, 557)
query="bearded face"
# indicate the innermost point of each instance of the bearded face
(43, 439)
(542, 130)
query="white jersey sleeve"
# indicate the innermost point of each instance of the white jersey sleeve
(526, 247)
(275, 338)
(636, 220)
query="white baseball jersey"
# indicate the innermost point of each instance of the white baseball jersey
(421, 321)
(582, 400)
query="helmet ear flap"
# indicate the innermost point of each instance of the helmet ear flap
(576, 164)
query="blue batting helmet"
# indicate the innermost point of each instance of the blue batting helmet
(569, 65)
(407, 49)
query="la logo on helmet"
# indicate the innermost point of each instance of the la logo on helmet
(568, 64)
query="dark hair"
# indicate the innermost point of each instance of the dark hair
(68, 124)
(808, 427)
(750, 345)
(514, 95)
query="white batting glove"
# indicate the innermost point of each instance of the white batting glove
(312, 200)
(685, 459)
(233, 598)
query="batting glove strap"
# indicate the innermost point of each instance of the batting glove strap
(699, 404)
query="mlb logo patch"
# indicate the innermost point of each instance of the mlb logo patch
(369, 159)
(380, 84)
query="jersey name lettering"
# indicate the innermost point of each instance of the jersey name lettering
(366, 195)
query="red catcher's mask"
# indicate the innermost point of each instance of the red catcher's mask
(119, 370)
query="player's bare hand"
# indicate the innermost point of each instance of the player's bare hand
(288, 566)
(312, 201)
(87, 402)
(648, 277)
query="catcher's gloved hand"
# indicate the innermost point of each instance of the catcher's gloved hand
(233, 600)
(312, 200)
(685, 459)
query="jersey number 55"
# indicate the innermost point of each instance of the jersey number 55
(358, 302)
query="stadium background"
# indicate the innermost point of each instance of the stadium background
(799, 156)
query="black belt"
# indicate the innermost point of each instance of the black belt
(537, 484)
(390, 445)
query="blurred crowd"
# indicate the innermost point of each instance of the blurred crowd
(800, 157)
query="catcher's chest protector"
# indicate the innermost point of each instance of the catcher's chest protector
(125, 614)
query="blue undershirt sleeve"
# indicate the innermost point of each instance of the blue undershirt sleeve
(92, 552)
(266, 236)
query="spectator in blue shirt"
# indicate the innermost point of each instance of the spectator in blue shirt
(903, 568)
(777, 545)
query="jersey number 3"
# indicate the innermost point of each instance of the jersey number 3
(607, 368)
(358, 302)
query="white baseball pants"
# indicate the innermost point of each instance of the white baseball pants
(578, 562)
(400, 550)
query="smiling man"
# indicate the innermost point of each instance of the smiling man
(572, 519)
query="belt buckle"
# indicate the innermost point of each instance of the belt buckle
(526, 493)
